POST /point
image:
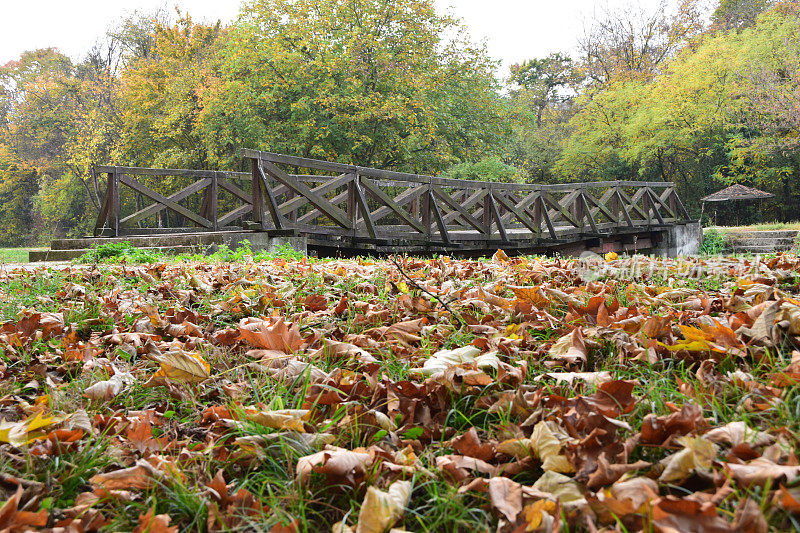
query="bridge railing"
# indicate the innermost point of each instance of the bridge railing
(325, 199)
(377, 205)
(149, 200)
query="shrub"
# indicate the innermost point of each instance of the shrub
(117, 252)
(714, 243)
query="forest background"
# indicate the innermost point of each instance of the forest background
(703, 98)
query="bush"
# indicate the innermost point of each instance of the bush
(117, 252)
(487, 169)
(714, 243)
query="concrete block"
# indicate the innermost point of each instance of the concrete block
(680, 239)
(262, 241)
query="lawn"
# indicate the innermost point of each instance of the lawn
(439, 394)
(766, 226)
(14, 255)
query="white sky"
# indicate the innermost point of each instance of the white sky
(514, 29)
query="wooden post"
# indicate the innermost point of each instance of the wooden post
(426, 212)
(673, 206)
(487, 213)
(214, 201)
(537, 214)
(352, 208)
(114, 182)
(258, 196)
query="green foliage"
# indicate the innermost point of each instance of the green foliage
(374, 82)
(118, 252)
(696, 121)
(487, 169)
(18, 185)
(714, 242)
(124, 251)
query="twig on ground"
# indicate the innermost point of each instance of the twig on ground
(456, 317)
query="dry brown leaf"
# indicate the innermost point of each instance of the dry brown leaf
(153, 523)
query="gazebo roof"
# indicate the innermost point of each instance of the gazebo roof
(736, 192)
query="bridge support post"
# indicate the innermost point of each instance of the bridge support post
(679, 239)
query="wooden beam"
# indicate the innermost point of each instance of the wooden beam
(331, 211)
(239, 212)
(381, 196)
(272, 204)
(175, 206)
(521, 216)
(153, 209)
(113, 214)
(363, 207)
(437, 215)
(546, 215)
(236, 191)
(401, 200)
(588, 213)
(102, 216)
(653, 200)
(495, 213)
(465, 204)
(460, 209)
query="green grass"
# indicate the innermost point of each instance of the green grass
(14, 255)
(765, 226)
(125, 252)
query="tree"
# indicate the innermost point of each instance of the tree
(632, 43)
(546, 81)
(720, 112)
(387, 83)
(160, 96)
(738, 14)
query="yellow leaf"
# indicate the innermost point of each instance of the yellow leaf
(19, 433)
(500, 256)
(534, 513)
(182, 366)
(280, 419)
(559, 486)
(545, 444)
(697, 454)
(39, 422)
(381, 510)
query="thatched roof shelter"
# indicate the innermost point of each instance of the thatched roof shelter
(737, 192)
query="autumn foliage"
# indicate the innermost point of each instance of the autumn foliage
(514, 394)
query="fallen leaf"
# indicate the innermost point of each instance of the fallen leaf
(380, 510)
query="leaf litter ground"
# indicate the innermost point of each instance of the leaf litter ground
(509, 394)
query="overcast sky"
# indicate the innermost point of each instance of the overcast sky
(514, 29)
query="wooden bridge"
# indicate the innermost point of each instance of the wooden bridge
(343, 208)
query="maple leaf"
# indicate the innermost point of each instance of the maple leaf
(533, 295)
(14, 519)
(153, 523)
(338, 465)
(271, 334)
